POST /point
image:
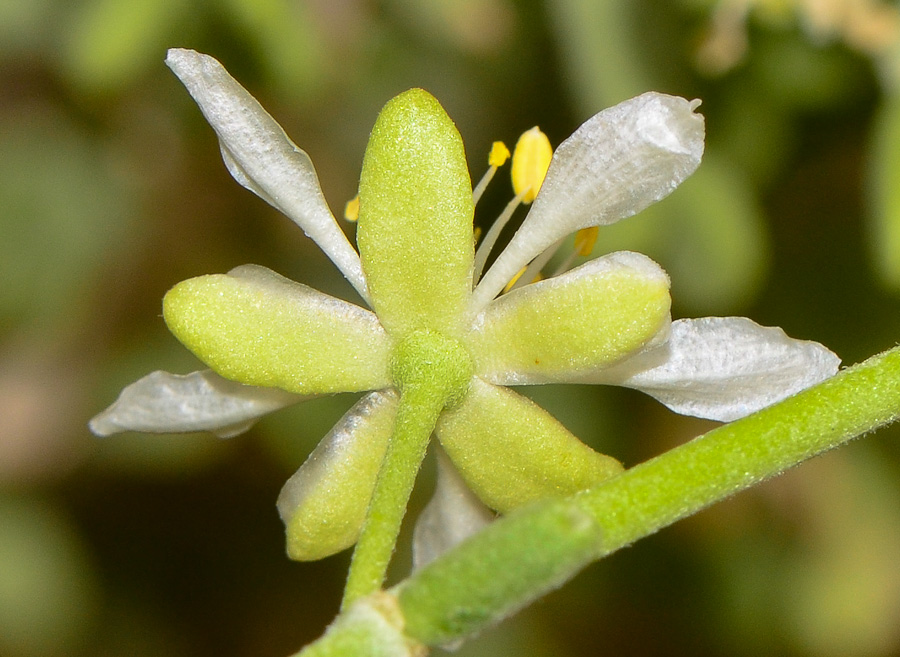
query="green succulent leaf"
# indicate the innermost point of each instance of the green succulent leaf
(884, 193)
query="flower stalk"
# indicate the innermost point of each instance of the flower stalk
(432, 373)
(416, 418)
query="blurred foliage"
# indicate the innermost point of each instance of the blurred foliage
(111, 191)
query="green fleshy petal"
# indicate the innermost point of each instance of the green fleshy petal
(415, 217)
(259, 328)
(511, 451)
(324, 503)
(562, 328)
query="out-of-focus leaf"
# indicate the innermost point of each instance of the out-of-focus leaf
(842, 596)
(755, 131)
(821, 574)
(285, 40)
(47, 592)
(599, 51)
(714, 240)
(109, 43)
(708, 235)
(62, 209)
(24, 26)
(804, 76)
(884, 192)
(476, 26)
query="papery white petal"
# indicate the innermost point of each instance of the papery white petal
(453, 514)
(723, 368)
(201, 401)
(262, 158)
(615, 165)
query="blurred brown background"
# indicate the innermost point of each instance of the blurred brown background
(112, 190)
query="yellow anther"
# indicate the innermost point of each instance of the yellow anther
(585, 240)
(351, 210)
(499, 154)
(530, 162)
(496, 158)
(515, 278)
(476, 233)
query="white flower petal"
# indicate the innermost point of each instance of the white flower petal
(452, 515)
(262, 158)
(723, 368)
(615, 165)
(201, 401)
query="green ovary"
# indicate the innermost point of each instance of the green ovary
(432, 364)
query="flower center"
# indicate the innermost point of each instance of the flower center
(432, 363)
(530, 164)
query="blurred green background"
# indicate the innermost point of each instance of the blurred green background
(112, 190)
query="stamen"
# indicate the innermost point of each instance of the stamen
(351, 210)
(515, 279)
(585, 239)
(496, 158)
(499, 154)
(493, 233)
(530, 162)
(533, 271)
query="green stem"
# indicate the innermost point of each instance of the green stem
(416, 417)
(440, 604)
(736, 456)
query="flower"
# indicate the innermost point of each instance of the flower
(437, 335)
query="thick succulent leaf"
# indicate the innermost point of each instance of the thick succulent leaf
(415, 217)
(452, 515)
(723, 368)
(323, 505)
(254, 326)
(615, 165)
(262, 158)
(201, 401)
(511, 452)
(564, 327)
